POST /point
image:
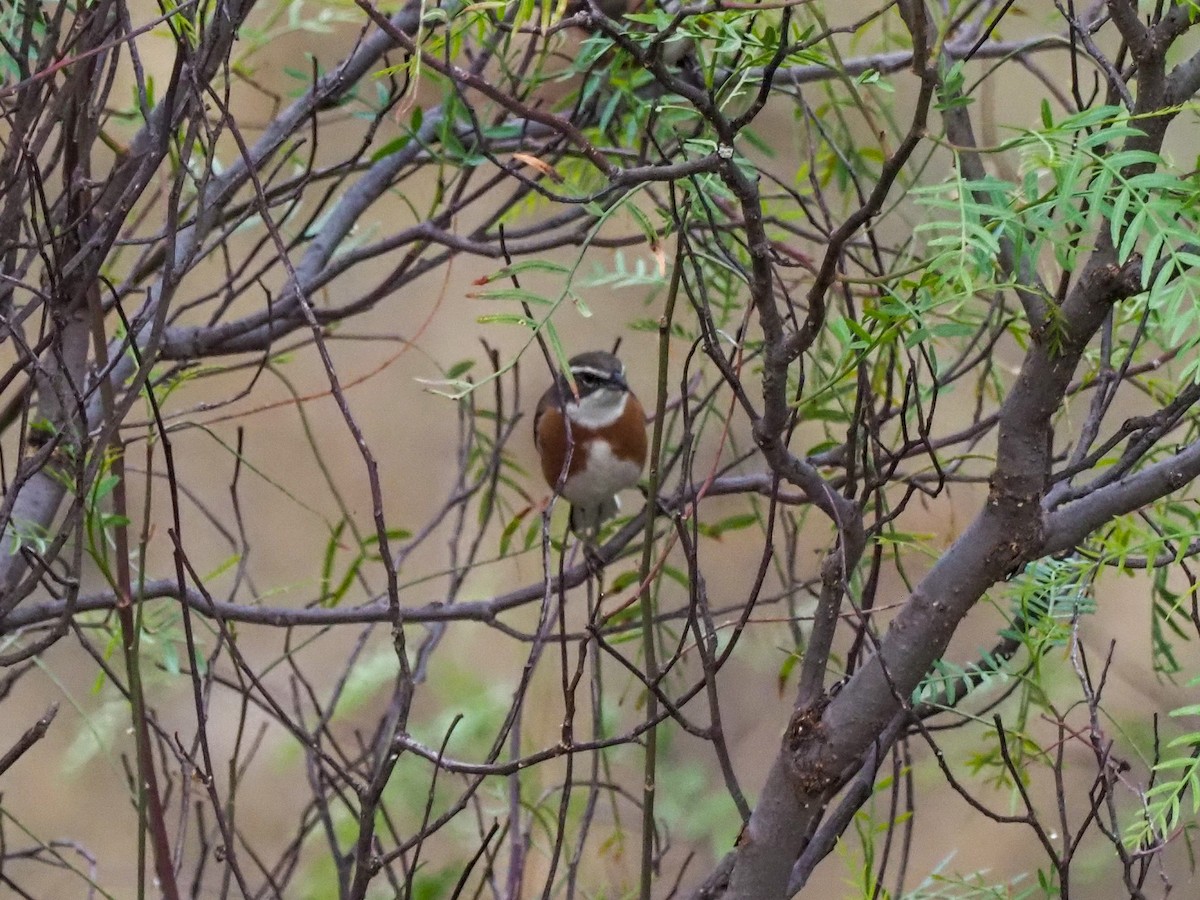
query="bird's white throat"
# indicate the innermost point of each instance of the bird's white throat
(598, 409)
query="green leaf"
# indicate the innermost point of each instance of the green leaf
(170, 657)
(393, 146)
(331, 549)
(561, 359)
(224, 566)
(460, 368)
(528, 265)
(643, 222)
(518, 294)
(506, 536)
(507, 319)
(785, 671)
(624, 580)
(392, 534)
(732, 523)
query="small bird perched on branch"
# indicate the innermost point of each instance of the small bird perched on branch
(592, 440)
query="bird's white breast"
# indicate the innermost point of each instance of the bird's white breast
(604, 475)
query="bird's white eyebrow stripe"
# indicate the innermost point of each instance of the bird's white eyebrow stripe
(597, 373)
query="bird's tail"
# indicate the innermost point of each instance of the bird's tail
(586, 519)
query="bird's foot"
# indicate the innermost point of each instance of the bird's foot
(593, 560)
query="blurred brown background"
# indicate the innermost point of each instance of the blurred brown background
(73, 785)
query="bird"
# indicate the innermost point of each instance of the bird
(600, 427)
